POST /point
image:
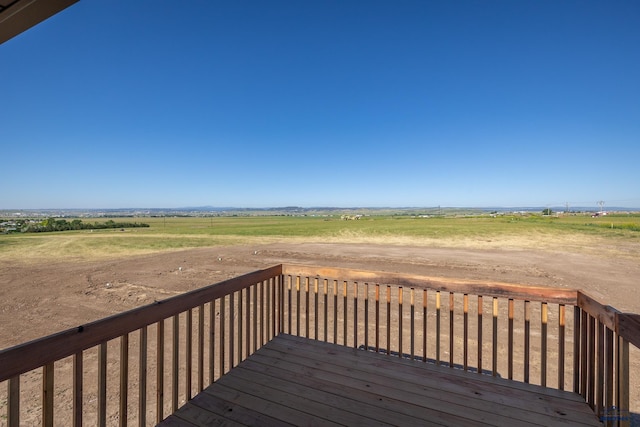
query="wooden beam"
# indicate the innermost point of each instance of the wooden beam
(443, 284)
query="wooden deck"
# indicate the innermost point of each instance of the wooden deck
(298, 381)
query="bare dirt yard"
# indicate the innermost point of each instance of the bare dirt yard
(38, 299)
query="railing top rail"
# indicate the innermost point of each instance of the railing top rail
(603, 313)
(31, 355)
(468, 286)
(629, 327)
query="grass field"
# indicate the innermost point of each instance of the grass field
(616, 232)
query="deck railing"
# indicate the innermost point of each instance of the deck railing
(139, 366)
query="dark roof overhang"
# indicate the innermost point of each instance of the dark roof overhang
(17, 16)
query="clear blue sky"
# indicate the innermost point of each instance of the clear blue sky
(151, 103)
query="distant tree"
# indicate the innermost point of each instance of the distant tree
(547, 211)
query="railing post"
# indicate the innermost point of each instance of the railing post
(623, 382)
(438, 328)
(424, 325)
(355, 314)
(577, 326)
(451, 325)
(175, 368)
(479, 312)
(160, 372)
(102, 385)
(47, 395)
(494, 357)
(13, 402)
(142, 378)
(124, 379)
(561, 345)
(77, 389)
(527, 339)
(366, 316)
(511, 312)
(544, 318)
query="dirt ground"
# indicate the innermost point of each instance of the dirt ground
(40, 299)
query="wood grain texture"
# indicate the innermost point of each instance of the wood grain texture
(294, 380)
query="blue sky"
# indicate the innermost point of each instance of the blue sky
(323, 103)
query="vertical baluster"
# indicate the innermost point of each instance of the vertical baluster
(494, 361)
(13, 402)
(47, 394)
(366, 316)
(316, 315)
(511, 311)
(438, 328)
(160, 372)
(223, 321)
(622, 380)
(335, 311)
(268, 319)
(344, 314)
(527, 339)
(424, 325)
(176, 362)
(142, 379)
(561, 345)
(413, 326)
(592, 362)
(212, 341)
(232, 329)
(124, 379)
(273, 307)
(480, 334)
(600, 370)
(400, 316)
(326, 309)
(306, 307)
(388, 320)
(240, 327)
(102, 385)
(298, 305)
(543, 343)
(290, 310)
(584, 355)
(261, 306)
(255, 317)
(465, 333)
(451, 335)
(609, 370)
(355, 314)
(577, 327)
(188, 354)
(377, 338)
(281, 286)
(78, 386)
(247, 323)
(200, 348)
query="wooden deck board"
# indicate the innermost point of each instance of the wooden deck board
(293, 380)
(446, 384)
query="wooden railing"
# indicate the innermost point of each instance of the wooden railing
(554, 337)
(112, 372)
(139, 366)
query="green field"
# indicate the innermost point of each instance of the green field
(574, 232)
